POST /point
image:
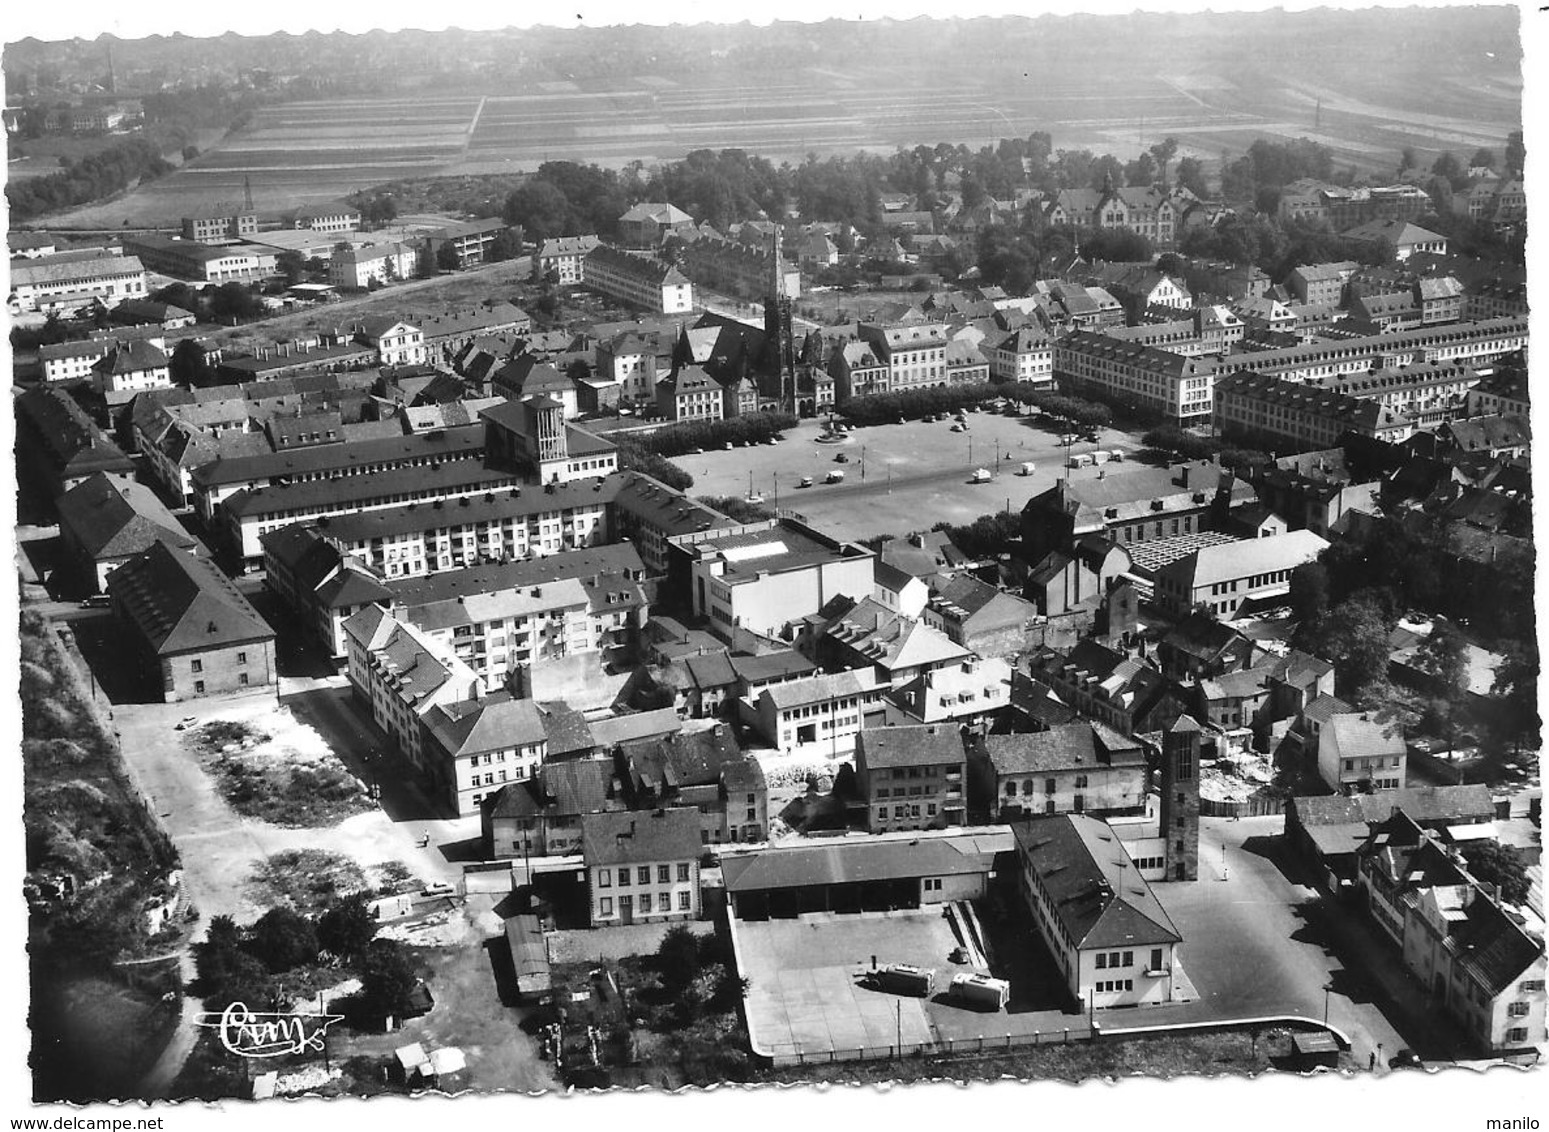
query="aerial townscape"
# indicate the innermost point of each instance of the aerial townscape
(617, 557)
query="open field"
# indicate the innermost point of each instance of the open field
(319, 150)
(916, 474)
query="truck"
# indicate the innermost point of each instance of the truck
(903, 978)
(1081, 460)
(980, 990)
(1028, 468)
(981, 475)
(835, 476)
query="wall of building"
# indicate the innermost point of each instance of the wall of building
(215, 671)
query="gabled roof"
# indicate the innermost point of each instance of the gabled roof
(474, 726)
(628, 838)
(847, 862)
(1423, 804)
(182, 604)
(933, 744)
(1094, 888)
(113, 519)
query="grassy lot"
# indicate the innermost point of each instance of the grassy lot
(98, 1022)
(308, 880)
(277, 784)
(1170, 1055)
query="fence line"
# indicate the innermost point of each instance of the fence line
(941, 1047)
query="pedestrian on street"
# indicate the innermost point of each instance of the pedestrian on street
(1372, 1064)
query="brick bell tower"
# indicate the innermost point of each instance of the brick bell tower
(1180, 799)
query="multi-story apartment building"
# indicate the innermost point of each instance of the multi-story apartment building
(690, 394)
(1223, 578)
(220, 224)
(564, 259)
(970, 690)
(631, 360)
(641, 867)
(746, 270)
(73, 361)
(1503, 393)
(1321, 283)
(1161, 381)
(1479, 961)
(915, 353)
(1072, 768)
(128, 369)
(475, 747)
(1356, 754)
(58, 446)
(912, 777)
(1427, 393)
(401, 675)
(218, 481)
(638, 280)
(470, 241)
(1470, 343)
(1112, 941)
(582, 624)
(360, 265)
(75, 279)
(397, 343)
(1026, 354)
(1278, 413)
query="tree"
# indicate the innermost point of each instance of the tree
(1164, 151)
(387, 978)
(506, 245)
(189, 366)
(677, 959)
(1309, 598)
(1191, 176)
(190, 152)
(1482, 159)
(446, 257)
(1407, 160)
(292, 266)
(1451, 170)
(1516, 154)
(1141, 172)
(1356, 640)
(1170, 263)
(283, 938)
(1490, 862)
(235, 301)
(347, 926)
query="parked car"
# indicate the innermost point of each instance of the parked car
(806, 481)
(97, 601)
(841, 458)
(438, 888)
(981, 475)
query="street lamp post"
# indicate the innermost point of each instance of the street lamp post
(1325, 1006)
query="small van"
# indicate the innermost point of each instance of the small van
(903, 978)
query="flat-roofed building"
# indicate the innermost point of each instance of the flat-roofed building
(206, 263)
(912, 777)
(220, 224)
(772, 573)
(470, 241)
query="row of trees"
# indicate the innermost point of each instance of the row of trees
(911, 404)
(751, 428)
(80, 182)
(635, 457)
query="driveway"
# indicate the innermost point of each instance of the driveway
(1258, 944)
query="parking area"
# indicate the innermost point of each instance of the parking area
(896, 477)
(806, 996)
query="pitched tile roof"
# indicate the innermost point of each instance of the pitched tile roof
(932, 744)
(1094, 888)
(182, 604)
(113, 519)
(629, 838)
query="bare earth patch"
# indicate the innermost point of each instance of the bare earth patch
(308, 880)
(278, 776)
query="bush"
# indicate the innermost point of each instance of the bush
(735, 507)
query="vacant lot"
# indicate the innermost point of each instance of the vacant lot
(284, 775)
